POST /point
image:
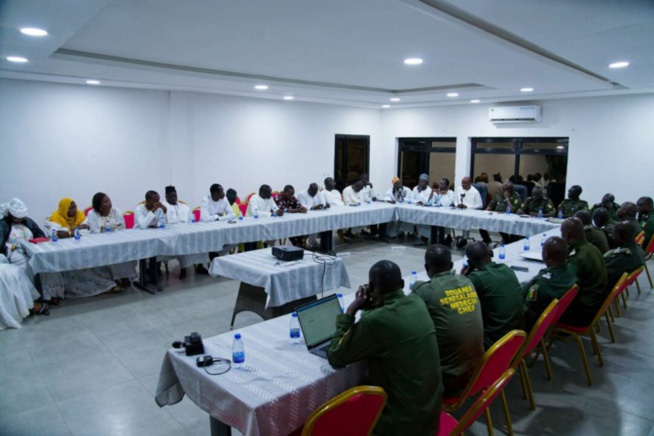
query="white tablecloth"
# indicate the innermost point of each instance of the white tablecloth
(283, 281)
(280, 386)
(17, 295)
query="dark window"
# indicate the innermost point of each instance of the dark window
(352, 158)
(432, 156)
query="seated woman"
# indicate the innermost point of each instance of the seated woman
(18, 297)
(104, 215)
(85, 282)
(16, 227)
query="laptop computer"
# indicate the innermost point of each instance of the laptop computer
(318, 323)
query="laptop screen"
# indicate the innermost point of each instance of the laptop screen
(318, 320)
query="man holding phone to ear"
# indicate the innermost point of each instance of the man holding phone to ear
(397, 339)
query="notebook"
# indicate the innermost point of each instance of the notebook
(533, 255)
(318, 323)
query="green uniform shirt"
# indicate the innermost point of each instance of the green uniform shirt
(647, 223)
(499, 203)
(398, 342)
(501, 304)
(550, 283)
(455, 310)
(591, 272)
(637, 227)
(532, 206)
(597, 237)
(569, 207)
(622, 260)
(612, 210)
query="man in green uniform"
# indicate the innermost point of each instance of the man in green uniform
(590, 270)
(396, 338)
(537, 202)
(601, 222)
(608, 203)
(626, 257)
(507, 199)
(550, 283)
(628, 212)
(573, 203)
(498, 290)
(454, 308)
(646, 218)
(593, 235)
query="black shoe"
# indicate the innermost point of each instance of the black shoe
(200, 269)
(462, 243)
(182, 273)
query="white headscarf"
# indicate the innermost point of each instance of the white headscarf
(15, 207)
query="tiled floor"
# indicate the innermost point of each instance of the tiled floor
(91, 368)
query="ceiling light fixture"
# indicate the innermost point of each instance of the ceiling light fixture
(92, 82)
(33, 31)
(475, 101)
(452, 94)
(413, 61)
(395, 99)
(386, 106)
(619, 65)
(560, 147)
(526, 89)
(17, 59)
(261, 87)
(288, 97)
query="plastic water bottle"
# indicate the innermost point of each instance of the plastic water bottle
(53, 235)
(560, 214)
(341, 302)
(502, 252)
(192, 218)
(413, 280)
(256, 212)
(542, 241)
(162, 220)
(77, 235)
(274, 214)
(238, 351)
(107, 227)
(540, 213)
(526, 245)
(508, 210)
(295, 331)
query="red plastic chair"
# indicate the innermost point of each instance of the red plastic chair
(128, 216)
(496, 361)
(631, 278)
(576, 332)
(640, 237)
(449, 426)
(198, 214)
(87, 210)
(353, 413)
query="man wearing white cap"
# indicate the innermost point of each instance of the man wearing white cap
(421, 192)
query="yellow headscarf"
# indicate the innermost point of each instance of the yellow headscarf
(60, 216)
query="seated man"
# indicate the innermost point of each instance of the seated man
(454, 308)
(441, 196)
(231, 198)
(608, 203)
(626, 257)
(494, 187)
(177, 212)
(536, 204)
(467, 197)
(396, 337)
(506, 200)
(550, 283)
(601, 222)
(572, 204)
(593, 235)
(646, 218)
(498, 290)
(263, 205)
(353, 195)
(591, 274)
(628, 212)
(287, 203)
(398, 193)
(421, 193)
(368, 193)
(331, 194)
(150, 213)
(313, 199)
(214, 206)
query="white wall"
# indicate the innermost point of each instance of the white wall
(65, 140)
(611, 138)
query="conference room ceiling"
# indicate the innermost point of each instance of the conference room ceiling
(347, 52)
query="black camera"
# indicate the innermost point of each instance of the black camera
(192, 344)
(202, 361)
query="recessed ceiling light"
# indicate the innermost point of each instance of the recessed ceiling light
(619, 65)
(413, 61)
(452, 94)
(475, 101)
(386, 106)
(17, 59)
(92, 82)
(261, 87)
(33, 31)
(395, 99)
(526, 89)
(288, 97)
(560, 147)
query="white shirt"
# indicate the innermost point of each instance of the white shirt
(145, 218)
(471, 197)
(333, 197)
(97, 222)
(212, 210)
(350, 197)
(178, 213)
(308, 201)
(400, 197)
(368, 193)
(265, 206)
(421, 196)
(444, 200)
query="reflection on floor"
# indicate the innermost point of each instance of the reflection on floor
(91, 368)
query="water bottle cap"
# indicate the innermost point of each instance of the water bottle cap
(339, 295)
(414, 272)
(237, 336)
(294, 314)
(502, 244)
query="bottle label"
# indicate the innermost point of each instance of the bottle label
(295, 333)
(238, 357)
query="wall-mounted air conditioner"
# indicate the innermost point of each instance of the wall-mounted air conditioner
(514, 114)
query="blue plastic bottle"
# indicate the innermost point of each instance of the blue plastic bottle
(341, 302)
(542, 241)
(502, 252)
(413, 280)
(295, 331)
(53, 235)
(77, 235)
(560, 214)
(526, 245)
(540, 213)
(238, 351)
(162, 220)
(508, 210)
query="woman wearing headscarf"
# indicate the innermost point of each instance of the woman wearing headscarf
(85, 282)
(103, 216)
(15, 228)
